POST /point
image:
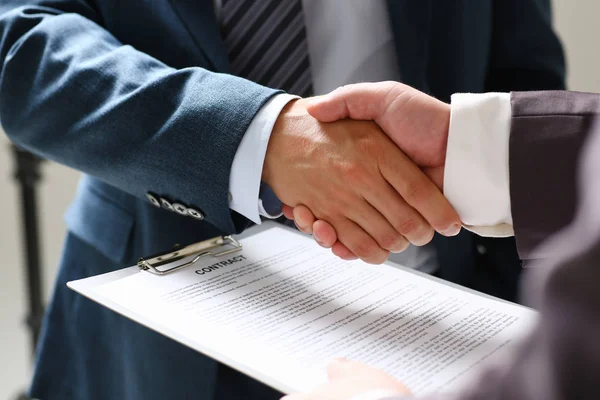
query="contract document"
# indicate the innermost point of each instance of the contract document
(282, 308)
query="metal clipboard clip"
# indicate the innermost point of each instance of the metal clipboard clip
(198, 250)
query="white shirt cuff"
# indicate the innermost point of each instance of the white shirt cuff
(476, 178)
(269, 205)
(246, 170)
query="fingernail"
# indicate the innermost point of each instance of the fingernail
(318, 239)
(300, 228)
(300, 222)
(452, 231)
(395, 251)
(401, 246)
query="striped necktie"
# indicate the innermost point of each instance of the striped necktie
(266, 43)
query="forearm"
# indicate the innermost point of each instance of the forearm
(73, 93)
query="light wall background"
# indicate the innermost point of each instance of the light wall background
(576, 22)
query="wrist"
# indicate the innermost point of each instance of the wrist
(246, 169)
(443, 131)
(275, 145)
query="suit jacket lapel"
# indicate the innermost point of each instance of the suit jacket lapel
(198, 17)
(411, 25)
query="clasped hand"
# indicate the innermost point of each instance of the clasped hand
(362, 169)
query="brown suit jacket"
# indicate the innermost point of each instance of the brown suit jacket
(555, 196)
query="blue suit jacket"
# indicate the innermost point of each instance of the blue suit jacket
(135, 94)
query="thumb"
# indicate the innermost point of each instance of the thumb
(361, 101)
(328, 108)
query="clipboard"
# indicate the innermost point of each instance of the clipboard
(214, 247)
(156, 264)
(178, 259)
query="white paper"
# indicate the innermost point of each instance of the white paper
(282, 308)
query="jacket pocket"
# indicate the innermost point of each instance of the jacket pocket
(100, 223)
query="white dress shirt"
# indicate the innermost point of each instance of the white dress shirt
(351, 41)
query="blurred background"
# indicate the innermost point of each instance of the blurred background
(576, 22)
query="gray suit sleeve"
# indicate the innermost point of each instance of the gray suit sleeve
(547, 134)
(555, 160)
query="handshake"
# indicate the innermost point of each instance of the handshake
(362, 169)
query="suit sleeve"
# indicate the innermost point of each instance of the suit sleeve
(548, 130)
(71, 92)
(526, 52)
(561, 357)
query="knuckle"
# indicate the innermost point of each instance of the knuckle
(364, 250)
(324, 211)
(412, 191)
(403, 246)
(378, 258)
(425, 236)
(344, 89)
(352, 168)
(407, 227)
(366, 144)
(390, 240)
(353, 171)
(415, 190)
(334, 211)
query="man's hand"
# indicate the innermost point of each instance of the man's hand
(416, 122)
(351, 174)
(348, 379)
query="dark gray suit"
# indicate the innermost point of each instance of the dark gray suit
(555, 186)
